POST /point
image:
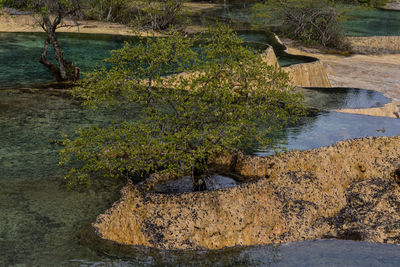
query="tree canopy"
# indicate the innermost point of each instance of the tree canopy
(228, 99)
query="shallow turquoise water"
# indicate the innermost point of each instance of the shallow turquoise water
(39, 219)
(373, 22)
(367, 22)
(40, 222)
(19, 54)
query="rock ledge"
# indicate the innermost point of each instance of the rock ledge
(349, 190)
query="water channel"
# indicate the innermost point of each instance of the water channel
(41, 222)
(21, 52)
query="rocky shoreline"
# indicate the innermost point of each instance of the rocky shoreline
(349, 190)
(340, 191)
(12, 20)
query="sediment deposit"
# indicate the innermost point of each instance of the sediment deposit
(375, 44)
(348, 190)
(311, 74)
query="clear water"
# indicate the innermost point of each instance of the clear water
(40, 222)
(330, 127)
(39, 219)
(373, 22)
(340, 98)
(239, 12)
(19, 53)
(286, 59)
(307, 253)
(254, 36)
(365, 22)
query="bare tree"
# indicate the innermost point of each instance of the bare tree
(49, 14)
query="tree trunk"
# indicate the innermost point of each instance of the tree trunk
(59, 55)
(109, 14)
(52, 67)
(65, 71)
(198, 175)
(198, 183)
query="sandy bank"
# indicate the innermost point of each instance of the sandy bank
(26, 23)
(375, 44)
(390, 110)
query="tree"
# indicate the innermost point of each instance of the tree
(110, 10)
(144, 14)
(310, 21)
(49, 15)
(157, 14)
(227, 100)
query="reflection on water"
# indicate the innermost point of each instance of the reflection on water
(307, 253)
(330, 127)
(40, 222)
(340, 98)
(286, 59)
(240, 12)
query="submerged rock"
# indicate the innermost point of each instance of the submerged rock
(348, 190)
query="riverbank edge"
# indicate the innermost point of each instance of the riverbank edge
(26, 23)
(329, 192)
(303, 75)
(377, 72)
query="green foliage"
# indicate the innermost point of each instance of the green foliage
(227, 100)
(46, 7)
(310, 21)
(12, 3)
(143, 14)
(111, 10)
(158, 14)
